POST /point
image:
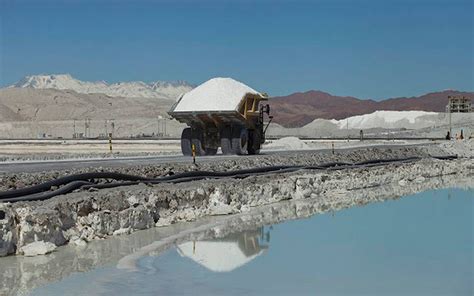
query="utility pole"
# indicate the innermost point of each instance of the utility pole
(449, 111)
(158, 126)
(87, 127)
(159, 120)
(347, 126)
(106, 128)
(164, 121)
(112, 124)
(450, 124)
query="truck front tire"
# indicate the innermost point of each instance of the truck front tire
(254, 142)
(186, 137)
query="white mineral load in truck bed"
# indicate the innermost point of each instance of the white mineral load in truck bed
(217, 94)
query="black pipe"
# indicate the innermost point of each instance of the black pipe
(68, 188)
(117, 176)
(73, 182)
(65, 180)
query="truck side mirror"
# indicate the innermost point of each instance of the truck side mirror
(268, 109)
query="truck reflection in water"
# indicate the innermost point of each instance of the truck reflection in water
(229, 253)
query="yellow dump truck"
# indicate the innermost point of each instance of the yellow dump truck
(222, 112)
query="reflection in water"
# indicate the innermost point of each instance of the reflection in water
(421, 245)
(229, 253)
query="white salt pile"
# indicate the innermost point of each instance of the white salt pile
(288, 143)
(217, 94)
(389, 119)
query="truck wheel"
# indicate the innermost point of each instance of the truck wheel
(226, 140)
(186, 136)
(197, 141)
(240, 139)
(254, 143)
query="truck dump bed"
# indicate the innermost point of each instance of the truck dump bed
(217, 101)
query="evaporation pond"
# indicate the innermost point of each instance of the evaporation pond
(418, 245)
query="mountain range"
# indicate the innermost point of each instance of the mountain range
(301, 108)
(294, 110)
(134, 89)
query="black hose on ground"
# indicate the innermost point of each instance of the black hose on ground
(46, 186)
(84, 181)
(68, 188)
(68, 179)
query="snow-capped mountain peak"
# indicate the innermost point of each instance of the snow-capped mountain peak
(158, 89)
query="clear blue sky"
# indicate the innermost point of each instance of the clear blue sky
(364, 48)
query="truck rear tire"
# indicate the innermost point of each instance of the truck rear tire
(226, 141)
(240, 139)
(198, 142)
(186, 137)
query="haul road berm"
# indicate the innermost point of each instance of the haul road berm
(222, 112)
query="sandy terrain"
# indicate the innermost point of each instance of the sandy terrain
(36, 113)
(12, 150)
(67, 149)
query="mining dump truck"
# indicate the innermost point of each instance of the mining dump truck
(222, 112)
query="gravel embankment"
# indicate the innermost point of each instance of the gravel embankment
(19, 180)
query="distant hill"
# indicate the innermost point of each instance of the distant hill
(27, 104)
(133, 89)
(30, 112)
(301, 108)
(34, 98)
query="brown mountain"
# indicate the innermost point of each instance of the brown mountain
(299, 108)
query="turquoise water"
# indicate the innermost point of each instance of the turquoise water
(419, 245)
